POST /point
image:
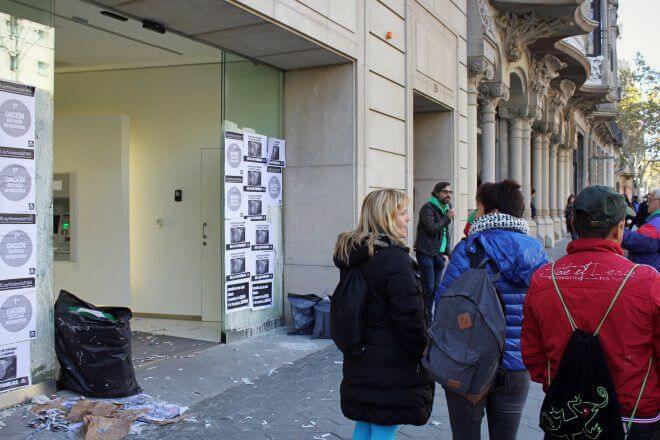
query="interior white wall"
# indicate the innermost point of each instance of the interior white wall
(174, 113)
(433, 155)
(100, 268)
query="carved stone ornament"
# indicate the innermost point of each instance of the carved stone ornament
(584, 104)
(559, 95)
(543, 70)
(596, 67)
(490, 92)
(480, 69)
(523, 30)
(485, 18)
(514, 111)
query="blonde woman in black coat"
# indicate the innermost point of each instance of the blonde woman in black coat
(386, 385)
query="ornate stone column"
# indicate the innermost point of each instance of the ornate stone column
(549, 232)
(478, 69)
(561, 188)
(526, 156)
(516, 115)
(537, 141)
(490, 95)
(553, 186)
(503, 140)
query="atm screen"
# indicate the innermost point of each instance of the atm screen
(56, 224)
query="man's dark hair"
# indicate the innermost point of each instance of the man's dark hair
(439, 187)
(533, 191)
(581, 224)
(504, 196)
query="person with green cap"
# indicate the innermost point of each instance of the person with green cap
(432, 245)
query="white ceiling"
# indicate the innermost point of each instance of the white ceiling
(100, 42)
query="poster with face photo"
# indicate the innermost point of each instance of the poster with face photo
(18, 257)
(276, 152)
(254, 180)
(274, 185)
(262, 236)
(262, 295)
(17, 180)
(237, 235)
(14, 366)
(18, 315)
(237, 277)
(256, 147)
(263, 266)
(16, 115)
(234, 153)
(235, 203)
(256, 209)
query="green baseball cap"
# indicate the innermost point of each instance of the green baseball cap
(604, 207)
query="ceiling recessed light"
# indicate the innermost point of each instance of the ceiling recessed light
(114, 16)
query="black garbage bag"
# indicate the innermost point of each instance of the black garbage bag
(302, 309)
(93, 347)
(322, 320)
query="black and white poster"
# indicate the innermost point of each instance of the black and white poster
(276, 152)
(262, 295)
(235, 203)
(262, 236)
(18, 257)
(274, 185)
(17, 172)
(255, 178)
(237, 234)
(256, 147)
(237, 296)
(256, 208)
(234, 153)
(17, 315)
(263, 266)
(17, 118)
(14, 366)
(237, 279)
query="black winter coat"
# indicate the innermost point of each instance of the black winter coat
(429, 236)
(387, 384)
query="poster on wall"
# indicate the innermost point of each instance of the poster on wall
(263, 266)
(237, 280)
(17, 172)
(262, 295)
(17, 117)
(14, 366)
(17, 250)
(237, 235)
(256, 208)
(17, 315)
(276, 152)
(256, 147)
(234, 153)
(234, 197)
(274, 185)
(256, 176)
(261, 236)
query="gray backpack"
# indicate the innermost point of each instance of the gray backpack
(468, 331)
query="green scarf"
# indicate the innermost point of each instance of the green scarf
(443, 209)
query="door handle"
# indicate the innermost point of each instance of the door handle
(204, 236)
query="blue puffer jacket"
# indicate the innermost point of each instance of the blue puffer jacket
(518, 256)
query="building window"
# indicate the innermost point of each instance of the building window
(41, 36)
(594, 46)
(42, 68)
(13, 63)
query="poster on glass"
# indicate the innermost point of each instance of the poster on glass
(16, 115)
(17, 172)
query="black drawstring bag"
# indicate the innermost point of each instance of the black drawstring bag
(581, 401)
(93, 347)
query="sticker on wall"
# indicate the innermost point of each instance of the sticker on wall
(263, 266)
(262, 236)
(274, 185)
(14, 366)
(256, 146)
(17, 283)
(256, 208)
(262, 295)
(237, 235)
(235, 202)
(256, 177)
(17, 183)
(16, 115)
(276, 152)
(234, 152)
(17, 248)
(17, 315)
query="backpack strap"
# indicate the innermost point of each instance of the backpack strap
(639, 397)
(479, 259)
(616, 296)
(561, 298)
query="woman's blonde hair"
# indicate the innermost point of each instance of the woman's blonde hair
(377, 219)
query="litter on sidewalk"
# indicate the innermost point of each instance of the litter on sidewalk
(103, 419)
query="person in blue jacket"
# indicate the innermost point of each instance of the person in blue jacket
(504, 235)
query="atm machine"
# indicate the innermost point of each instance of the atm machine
(62, 217)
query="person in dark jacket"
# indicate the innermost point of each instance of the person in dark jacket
(386, 385)
(504, 235)
(643, 211)
(568, 214)
(643, 245)
(432, 242)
